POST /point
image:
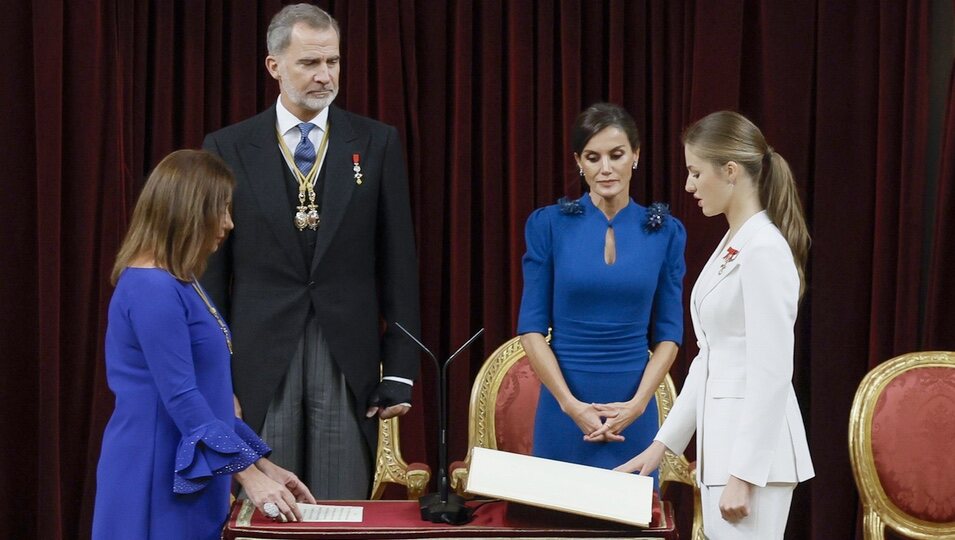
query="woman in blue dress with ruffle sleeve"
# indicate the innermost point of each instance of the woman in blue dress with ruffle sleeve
(605, 275)
(174, 441)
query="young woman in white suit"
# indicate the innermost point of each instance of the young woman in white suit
(738, 395)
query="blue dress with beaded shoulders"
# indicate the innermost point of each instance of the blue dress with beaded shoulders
(173, 440)
(603, 317)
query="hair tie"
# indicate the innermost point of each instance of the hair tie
(768, 157)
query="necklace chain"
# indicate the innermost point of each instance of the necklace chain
(214, 312)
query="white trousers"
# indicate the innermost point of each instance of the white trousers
(769, 510)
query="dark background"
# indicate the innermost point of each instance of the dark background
(857, 95)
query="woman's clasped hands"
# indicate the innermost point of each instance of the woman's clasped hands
(603, 422)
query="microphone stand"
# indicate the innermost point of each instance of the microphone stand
(443, 506)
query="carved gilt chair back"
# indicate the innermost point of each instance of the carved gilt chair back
(902, 446)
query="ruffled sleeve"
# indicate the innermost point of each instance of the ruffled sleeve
(249, 436)
(212, 450)
(538, 263)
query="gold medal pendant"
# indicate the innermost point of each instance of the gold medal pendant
(313, 219)
(301, 216)
(301, 219)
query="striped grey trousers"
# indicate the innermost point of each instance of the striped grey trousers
(312, 424)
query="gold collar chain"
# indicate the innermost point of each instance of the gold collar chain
(306, 215)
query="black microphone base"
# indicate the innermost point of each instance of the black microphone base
(451, 511)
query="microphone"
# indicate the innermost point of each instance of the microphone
(443, 506)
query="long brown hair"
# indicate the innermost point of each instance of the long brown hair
(178, 214)
(726, 136)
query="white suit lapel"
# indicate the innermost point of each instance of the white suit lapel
(721, 263)
(702, 285)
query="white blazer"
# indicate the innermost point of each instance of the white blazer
(738, 394)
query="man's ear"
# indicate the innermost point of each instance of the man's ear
(272, 65)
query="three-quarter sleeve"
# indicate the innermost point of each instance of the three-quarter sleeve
(667, 316)
(538, 264)
(209, 446)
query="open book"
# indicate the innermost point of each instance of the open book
(568, 487)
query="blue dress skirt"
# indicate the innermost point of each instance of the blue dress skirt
(602, 317)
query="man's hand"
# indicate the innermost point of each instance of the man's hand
(390, 398)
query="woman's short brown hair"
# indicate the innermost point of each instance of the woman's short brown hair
(178, 214)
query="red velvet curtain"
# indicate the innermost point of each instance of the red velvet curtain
(940, 318)
(483, 93)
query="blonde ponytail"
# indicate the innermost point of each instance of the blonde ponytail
(780, 198)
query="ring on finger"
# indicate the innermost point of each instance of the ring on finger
(271, 510)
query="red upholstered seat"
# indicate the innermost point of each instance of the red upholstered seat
(515, 407)
(913, 442)
(902, 442)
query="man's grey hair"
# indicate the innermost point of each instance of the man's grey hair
(280, 29)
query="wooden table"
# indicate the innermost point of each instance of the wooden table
(402, 520)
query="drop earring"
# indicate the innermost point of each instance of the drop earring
(580, 170)
(634, 164)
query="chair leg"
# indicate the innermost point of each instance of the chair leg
(872, 526)
(697, 515)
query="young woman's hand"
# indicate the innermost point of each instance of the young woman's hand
(734, 502)
(645, 462)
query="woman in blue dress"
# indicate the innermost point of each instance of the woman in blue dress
(605, 275)
(174, 441)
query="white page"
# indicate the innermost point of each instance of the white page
(579, 489)
(327, 513)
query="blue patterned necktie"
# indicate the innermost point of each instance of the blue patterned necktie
(305, 151)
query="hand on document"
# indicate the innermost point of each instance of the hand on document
(647, 461)
(274, 490)
(287, 478)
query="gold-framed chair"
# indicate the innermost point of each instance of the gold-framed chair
(506, 381)
(902, 446)
(391, 468)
